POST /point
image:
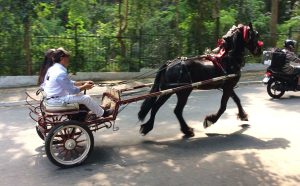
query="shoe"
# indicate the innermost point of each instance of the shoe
(90, 116)
(108, 112)
(298, 87)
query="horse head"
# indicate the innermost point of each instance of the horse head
(251, 39)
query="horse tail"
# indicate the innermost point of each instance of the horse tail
(148, 103)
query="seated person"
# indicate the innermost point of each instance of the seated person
(60, 89)
(291, 57)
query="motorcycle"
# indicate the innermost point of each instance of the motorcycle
(277, 82)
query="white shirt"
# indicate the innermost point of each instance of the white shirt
(57, 82)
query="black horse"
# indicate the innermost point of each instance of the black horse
(181, 72)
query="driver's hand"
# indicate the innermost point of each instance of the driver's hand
(88, 86)
(90, 82)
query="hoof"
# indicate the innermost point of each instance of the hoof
(188, 133)
(145, 129)
(243, 117)
(207, 123)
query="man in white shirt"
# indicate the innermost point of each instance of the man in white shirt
(59, 88)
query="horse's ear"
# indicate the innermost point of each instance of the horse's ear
(250, 26)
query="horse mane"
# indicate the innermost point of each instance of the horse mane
(234, 41)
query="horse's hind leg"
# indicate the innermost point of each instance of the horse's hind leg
(242, 114)
(182, 100)
(148, 126)
(213, 118)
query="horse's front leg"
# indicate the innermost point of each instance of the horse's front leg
(181, 102)
(148, 126)
(213, 118)
(242, 114)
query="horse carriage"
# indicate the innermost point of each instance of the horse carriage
(67, 129)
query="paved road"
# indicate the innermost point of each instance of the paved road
(266, 153)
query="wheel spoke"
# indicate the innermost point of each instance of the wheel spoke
(75, 154)
(77, 151)
(67, 155)
(79, 146)
(61, 152)
(60, 136)
(57, 142)
(80, 141)
(65, 131)
(58, 146)
(71, 155)
(78, 135)
(72, 134)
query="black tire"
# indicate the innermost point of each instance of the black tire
(272, 91)
(62, 144)
(39, 133)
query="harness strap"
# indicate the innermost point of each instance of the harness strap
(187, 71)
(216, 62)
(215, 59)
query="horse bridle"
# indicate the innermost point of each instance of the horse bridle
(248, 37)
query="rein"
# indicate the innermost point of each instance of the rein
(149, 73)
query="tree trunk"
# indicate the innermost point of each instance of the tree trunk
(274, 20)
(177, 32)
(122, 26)
(216, 16)
(27, 44)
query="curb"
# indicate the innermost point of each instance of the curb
(249, 82)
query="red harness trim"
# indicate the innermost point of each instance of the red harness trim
(245, 33)
(216, 58)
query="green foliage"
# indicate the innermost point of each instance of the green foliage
(228, 18)
(155, 31)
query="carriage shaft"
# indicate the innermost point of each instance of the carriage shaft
(177, 89)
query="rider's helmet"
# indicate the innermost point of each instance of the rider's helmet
(290, 44)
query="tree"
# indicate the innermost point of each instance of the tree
(274, 20)
(128, 34)
(123, 22)
(28, 12)
(23, 12)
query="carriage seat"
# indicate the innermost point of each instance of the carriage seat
(60, 107)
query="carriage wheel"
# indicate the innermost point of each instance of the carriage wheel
(39, 133)
(69, 144)
(272, 89)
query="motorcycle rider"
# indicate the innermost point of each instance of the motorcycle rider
(291, 57)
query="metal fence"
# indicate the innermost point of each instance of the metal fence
(89, 53)
(99, 53)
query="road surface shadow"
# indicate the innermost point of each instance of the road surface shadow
(244, 127)
(203, 146)
(285, 98)
(180, 159)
